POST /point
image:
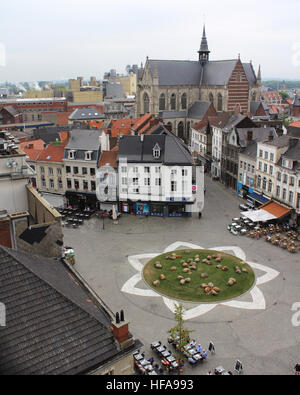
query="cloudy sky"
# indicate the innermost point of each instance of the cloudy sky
(61, 39)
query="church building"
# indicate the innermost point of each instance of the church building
(168, 89)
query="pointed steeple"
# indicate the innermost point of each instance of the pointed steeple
(204, 51)
(259, 75)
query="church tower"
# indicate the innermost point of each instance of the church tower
(203, 51)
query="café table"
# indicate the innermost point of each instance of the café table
(171, 359)
(161, 349)
(219, 370)
(197, 357)
(138, 357)
(155, 344)
(166, 354)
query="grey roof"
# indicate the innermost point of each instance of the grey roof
(250, 151)
(11, 110)
(296, 102)
(187, 72)
(293, 131)
(258, 134)
(254, 105)
(198, 109)
(139, 149)
(172, 114)
(280, 142)
(235, 120)
(86, 113)
(54, 325)
(293, 152)
(84, 139)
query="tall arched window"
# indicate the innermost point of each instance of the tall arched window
(162, 102)
(211, 97)
(146, 103)
(220, 102)
(254, 96)
(173, 101)
(180, 130)
(264, 183)
(183, 101)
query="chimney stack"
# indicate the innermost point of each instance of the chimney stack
(120, 330)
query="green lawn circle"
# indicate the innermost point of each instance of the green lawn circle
(193, 291)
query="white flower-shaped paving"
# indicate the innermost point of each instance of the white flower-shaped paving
(258, 300)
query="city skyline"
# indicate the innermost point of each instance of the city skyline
(63, 42)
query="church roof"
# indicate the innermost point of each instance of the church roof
(198, 109)
(187, 72)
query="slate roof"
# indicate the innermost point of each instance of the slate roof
(258, 134)
(254, 107)
(82, 140)
(198, 109)
(172, 114)
(86, 113)
(250, 151)
(11, 110)
(293, 131)
(53, 325)
(187, 72)
(139, 149)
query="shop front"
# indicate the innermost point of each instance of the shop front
(82, 201)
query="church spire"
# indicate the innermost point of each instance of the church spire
(259, 75)
(203, 51)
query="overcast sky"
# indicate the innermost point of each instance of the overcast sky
(61, 39)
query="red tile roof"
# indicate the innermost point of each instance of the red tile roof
(53, 153)
(295, 124)
(32, 148)
(109, 157)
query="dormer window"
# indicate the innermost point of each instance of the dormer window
(88, 155)
(156, 152)
(287, 163)
(72, 154)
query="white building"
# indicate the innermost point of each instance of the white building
(155, 175)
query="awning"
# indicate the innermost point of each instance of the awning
(258, 198)
(276, 209)
(258, 215)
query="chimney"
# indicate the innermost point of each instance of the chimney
(120, 330)
(270, 136)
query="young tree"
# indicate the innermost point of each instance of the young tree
(179, 333)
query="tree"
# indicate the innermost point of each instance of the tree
(284, 95)
(179, 333)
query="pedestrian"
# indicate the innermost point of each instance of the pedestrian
(209, 373)
(199, 215)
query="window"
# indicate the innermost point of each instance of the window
(146, 103)
(279, 176)
(158, 182)
(253, 169)
(249, 167)
(43, 181)
(271, 157)
(84, 170)
(76, 184)
(284, 194)
(173, 186)
(184, 172)
(135, 181)
(147, 169)
(162, 102)
(68, 169)
(92, 171)
(220, 102)
(135, 169)
(173, 102)
(291, 197)
(147, 181)
(88, 155)
(266, 155)
(265, 168)
(292, 181)
(183, 101)
(270, 185)
(75, 170)
(69, 183)
(260, 166)
(124, 180)
(285, 178)
(72, 154)
(241, 164)
(42, 170)
(271, 170)
(157, 170)
(264, 183)
(211, 97)
(261, 153)
(58, 171)
(173, 172)
(60, 184)
(156, 152)
(85, 185)
(50, 170)
(278, 191)
(123, 169)
(93, 185)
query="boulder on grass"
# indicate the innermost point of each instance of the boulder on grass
(204, 275)
(182, 282)
(162, 277)
(173, 269)
(225, 268)
(186, 270)
(214, 293)
(211, 285)
(179, 278)
(216, 289)
(244, 270)
(185, 264)
(197, 260)
(207, 290)
(158, 266)
(219, 266)
(188, 280)
(156, 283)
